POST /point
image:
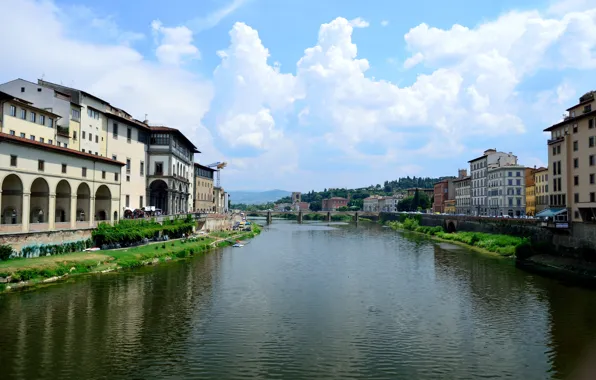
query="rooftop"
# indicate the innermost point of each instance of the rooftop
(28, 104)
(197, 165)
(161, 128)
(57, 149)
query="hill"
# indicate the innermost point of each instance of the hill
(257, 197)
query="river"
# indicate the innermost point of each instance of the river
(307, 301)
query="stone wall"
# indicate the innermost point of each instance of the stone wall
(20, 240)
(216, 222)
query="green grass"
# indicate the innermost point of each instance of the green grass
(504, 245)
(39, 268)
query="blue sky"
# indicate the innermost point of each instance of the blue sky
(307, 94)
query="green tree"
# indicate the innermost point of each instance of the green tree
(343, 208)
(316, 206)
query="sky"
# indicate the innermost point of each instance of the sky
(309, 94)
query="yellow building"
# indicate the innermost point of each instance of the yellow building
(204, 197)
(541, 188)
(449, 206)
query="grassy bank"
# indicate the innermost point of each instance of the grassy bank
(503, 245)
(21, 272)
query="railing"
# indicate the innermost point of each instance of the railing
(556, 140)
(63, 131)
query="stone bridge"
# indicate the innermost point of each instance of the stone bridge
(328, 214)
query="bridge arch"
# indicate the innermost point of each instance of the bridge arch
(451, 227)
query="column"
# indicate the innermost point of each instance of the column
(26, 211)
(170, 206)
(73, 211)
(52, 212)
(117, 203)
(91, 211)
(1, 216)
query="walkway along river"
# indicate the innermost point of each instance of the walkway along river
(303, 302)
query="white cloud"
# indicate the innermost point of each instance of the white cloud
(384, 23)
(255, 130)
(358, 22)
(175, 44)
(211, 20)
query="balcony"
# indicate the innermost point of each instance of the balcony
(556, 140)
(63, 131)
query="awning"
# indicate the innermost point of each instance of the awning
(550, 212)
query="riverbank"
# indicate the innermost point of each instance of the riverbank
(18, 274)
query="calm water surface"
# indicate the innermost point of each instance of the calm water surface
(303, 302)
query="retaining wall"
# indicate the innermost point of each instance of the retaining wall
(20, 240)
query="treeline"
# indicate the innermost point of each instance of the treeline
(247, 207)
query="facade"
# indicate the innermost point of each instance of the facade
(450, 206)
(332, 204)
(530, 191)
(506, 191)
(283, 206)
(479, 182)
(463, 200)
(541, 189)
(297, 206)
(443, 191)
(219, 198)
(371, 204)
(296, 197)
(171, 171)
(572, 162)
(388, 204)
(204, 200)
(45, 187)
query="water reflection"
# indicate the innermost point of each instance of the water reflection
(303, 302)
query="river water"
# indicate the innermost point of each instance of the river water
(307, 301)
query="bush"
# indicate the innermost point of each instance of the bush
(5, 252)
(135, 232)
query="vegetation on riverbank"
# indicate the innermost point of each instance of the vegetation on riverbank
(21, 272)
(315, 217)
(504, 245)
(133, 232)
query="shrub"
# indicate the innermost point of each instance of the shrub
(5, 252)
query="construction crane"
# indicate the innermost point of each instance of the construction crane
(218, 166)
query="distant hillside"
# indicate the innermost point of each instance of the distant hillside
(257, 197)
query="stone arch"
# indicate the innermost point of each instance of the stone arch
(451, 227)
(158, 195)
(103, 203)
(83, 202)
(63, 196)
(115, 216)
(39, 202)
(12, 200)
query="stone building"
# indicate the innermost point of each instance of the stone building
(479, 171)
(506, 190)
(45, 187)
(204, 200)
(463, 199)
(541, 189)
(332, 204)
(443, 191)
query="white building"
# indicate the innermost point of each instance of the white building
(45, 187)
(506, 190)
(478, 177)
(371, 204)
(388, 204)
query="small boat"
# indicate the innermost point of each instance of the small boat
(238, 245)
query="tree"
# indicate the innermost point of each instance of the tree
(405, 204)
(316, 206)
(343, 208)
(416, 200)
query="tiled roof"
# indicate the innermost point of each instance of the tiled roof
(57, 149)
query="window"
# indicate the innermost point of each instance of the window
(591, 142)
(576, 198)
(575, 163)
(84, 172)
(32, 117)
(103, 174)
(32, 137)
(510, 182)
(96, 154)
(12, 132)
(574, 128)
(142, 168)
(23, 114)
(40, 165)
(160, 139)
(554, 184)
(128, 201)
(92, 113)
(116, 177)
(575, 146)
(50, 122)
(591, 123)
(554, 150)
(50, 141)
(518, 174)
(592, 197)
(114, 157)
(22, 89)
(74, 135)
(90, 137)
(518, 182)
(13, 111)
(41, 140)
(128, 165)
(65, 145)
(76, 114)
(559, 166)
(13, 160)
(42, 119)
(591, 160)
(128, 134)
(64, 168)
(82, 150)
(115, 130)
(159, 168)
(559, 184)
(96, 139)
(127, 178)
(591, 179)
(141, 201)
(83, 134)
(558, 149)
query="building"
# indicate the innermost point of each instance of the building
(572, 163)
(171, 171)
(443, 191)
(219, 198)
(463, 200)
(296, 197)
(371, 204)
(450, 206)
(429, 192)
(506, 190)
(203, 190)
(332, 204)
(297, 206)
(388, 204)
(283, 207)
(479, 172)
(541, 189)
(46, 187)
(530, 177)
